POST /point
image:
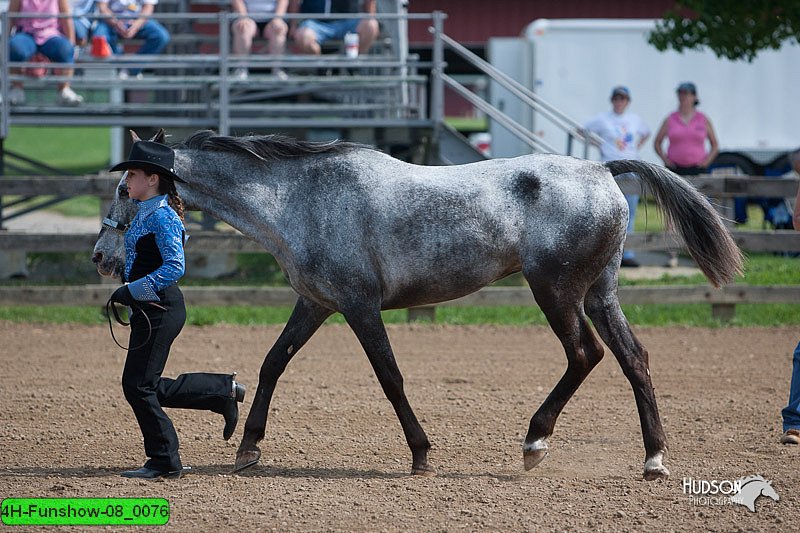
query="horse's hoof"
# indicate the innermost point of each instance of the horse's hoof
(246, 459)
(654, 469)
(533, 458)
(656, 473)
(534, 453)
(424, 471)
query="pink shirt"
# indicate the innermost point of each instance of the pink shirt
(42, 29)
(687, 141)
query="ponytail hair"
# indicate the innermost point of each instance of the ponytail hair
(167, 186)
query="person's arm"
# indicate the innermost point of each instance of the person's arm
(712, 139)
(644, 132)
(138, 23)
(67, 24)
(277, 21)
(112, 21)
(797, 211)
(13, 7)
(294, 7)
(662, 132)
(370, 7)
(592, 126)
(239, 7)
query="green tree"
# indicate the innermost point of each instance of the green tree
(734, 29)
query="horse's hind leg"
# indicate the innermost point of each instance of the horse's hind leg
(562, 307)
(306, 318)
(371, 333)
(602, 305)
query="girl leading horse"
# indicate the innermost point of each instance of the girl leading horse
(356, 231)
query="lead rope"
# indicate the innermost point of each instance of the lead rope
(113, 310)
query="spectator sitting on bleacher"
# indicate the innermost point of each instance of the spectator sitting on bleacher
(244, 29)
(80, 10)
(41, 34)
(154, 35)
(312, 33)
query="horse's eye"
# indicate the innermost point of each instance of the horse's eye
(123, 191)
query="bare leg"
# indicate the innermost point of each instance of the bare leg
(603, 307)
(368, 327)
(244, 30)
(368, 31)
(306, 41)
(275, 33)
(563, 312)
(306, 318)
(67, 73)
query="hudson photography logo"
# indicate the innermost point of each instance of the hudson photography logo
(744, 491)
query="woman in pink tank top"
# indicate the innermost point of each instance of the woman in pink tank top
(45, 34)
(687, 130)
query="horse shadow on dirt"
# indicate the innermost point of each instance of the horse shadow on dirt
(258, 471)
(65, 472)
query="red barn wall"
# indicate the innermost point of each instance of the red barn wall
(474, 21)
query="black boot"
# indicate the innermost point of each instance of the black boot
(231, 410)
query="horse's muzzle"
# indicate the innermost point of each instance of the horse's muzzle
(106, 266)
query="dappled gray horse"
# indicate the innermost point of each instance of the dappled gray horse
(356, 231)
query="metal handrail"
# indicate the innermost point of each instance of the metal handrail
(524, 134)
(571, 127)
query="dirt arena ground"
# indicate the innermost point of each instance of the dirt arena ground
(334, 458)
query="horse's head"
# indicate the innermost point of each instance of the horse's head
(769, 491)
(109, 250)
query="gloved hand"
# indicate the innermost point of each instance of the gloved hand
(123, 296)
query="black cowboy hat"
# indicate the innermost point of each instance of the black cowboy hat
(151, 157)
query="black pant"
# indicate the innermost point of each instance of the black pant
(147, 392)
(689, 171)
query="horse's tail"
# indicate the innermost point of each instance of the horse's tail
(708, 241)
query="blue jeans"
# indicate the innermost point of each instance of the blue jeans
(633, 201)
(22, 47)
(154, 35)
(83, 28)
(331, 29)
(791, 413)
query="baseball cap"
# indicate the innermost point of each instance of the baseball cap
(620, 90)
(687, 86)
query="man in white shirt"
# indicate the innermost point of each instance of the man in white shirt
(623, 134)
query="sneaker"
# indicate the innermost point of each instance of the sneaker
(240, 74)
(68, 97)
(16, 96)
(280, 74)
(791, 436)
(123, 74)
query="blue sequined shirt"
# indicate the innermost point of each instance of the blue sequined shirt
(155, 224)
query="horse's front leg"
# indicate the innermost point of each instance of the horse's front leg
(306, 318)
(371, 333)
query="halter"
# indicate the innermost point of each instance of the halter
(110, 305)
(115, 226)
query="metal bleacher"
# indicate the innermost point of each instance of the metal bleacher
(190, 86)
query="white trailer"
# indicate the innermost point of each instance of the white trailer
(573, 64)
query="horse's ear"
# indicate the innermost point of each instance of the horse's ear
(160, 136)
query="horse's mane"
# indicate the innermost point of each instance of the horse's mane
(264, 147)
